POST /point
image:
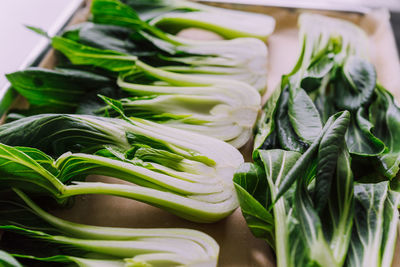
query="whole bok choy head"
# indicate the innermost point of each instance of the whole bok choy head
(333, 74)
(31, 234)
(187, 174)
(309, 209)
(220, 108)
(175, 15)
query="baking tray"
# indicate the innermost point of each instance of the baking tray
(237, 245)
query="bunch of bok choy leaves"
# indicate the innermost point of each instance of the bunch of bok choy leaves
(33, 235)
(322, 189)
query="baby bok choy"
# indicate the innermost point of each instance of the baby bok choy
(307, 193)
(311, 211)
(31, 235)
(118, 27)
(185, 173)
(219, 108)
(333, 74)
(175, 15)
(242, 59)
(226, 110)
(62, 90)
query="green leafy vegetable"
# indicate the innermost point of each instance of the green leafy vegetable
(375, 226)
(322, 201)
(175, 15)
(309, 219)
(61, 90)
(333, 74)
(242, 59)
(219, 108)
(86, 245)
(185, 173)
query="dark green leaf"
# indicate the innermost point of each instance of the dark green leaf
(303, 116)
(86, 55)
(355, 87)
(288, 139)
(56, 134)
(338, 120)
(360, 139)
(58, 89)
(385, 115)
(266, 123)
(253, 194)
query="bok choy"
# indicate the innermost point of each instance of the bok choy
(333, 74)
(185, 173)
(174, 15)
(219, 108)
(29, 230)
(317, 191)
(310, 210)
(241, 59)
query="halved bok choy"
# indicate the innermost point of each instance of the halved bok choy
(32, 234)
(118, 27)
(174, 15)
(185, 173)
(225, 109)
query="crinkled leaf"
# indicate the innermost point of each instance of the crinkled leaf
(385, 115)
(360, 140)
(355, 87)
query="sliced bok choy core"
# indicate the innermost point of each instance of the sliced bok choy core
(108, 246)
(242, 59)
(185, 173)
(174, 15)
(226, 110)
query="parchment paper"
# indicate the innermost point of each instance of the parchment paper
(237, 245)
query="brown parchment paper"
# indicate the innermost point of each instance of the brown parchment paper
(237, 245)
